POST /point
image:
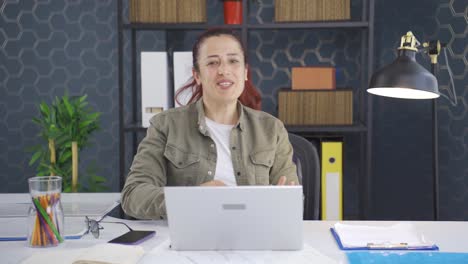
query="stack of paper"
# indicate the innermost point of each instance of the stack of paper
(397, 236)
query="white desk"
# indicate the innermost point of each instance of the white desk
(318, 242)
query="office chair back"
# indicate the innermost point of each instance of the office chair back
(308, 170)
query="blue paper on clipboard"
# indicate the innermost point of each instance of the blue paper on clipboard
(402, 257)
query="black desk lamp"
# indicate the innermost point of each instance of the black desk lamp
(405, 78)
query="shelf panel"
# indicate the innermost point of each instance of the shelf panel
(135, 128)
(306, 25)
(289, 25)
(174, 26)
(356, 128)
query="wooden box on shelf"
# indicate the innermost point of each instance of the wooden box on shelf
(315, 107)
(312, 10)
(313, 78)
(167, 11)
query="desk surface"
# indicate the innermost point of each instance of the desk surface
(74, 204)
(319, 245)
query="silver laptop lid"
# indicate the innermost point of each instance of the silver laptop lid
(235, 218)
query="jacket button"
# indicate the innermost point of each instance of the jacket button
(238, 173)
(209, 172)
(180, 163)
(233, 148)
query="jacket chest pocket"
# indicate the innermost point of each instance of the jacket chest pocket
(182, 166)
(262, 162)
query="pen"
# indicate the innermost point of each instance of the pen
(387, 245)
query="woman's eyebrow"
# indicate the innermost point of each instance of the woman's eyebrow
(217, 56)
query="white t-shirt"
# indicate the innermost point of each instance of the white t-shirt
(220, 134)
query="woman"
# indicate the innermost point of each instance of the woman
(216, 140)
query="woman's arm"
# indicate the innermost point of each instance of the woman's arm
(142, 195)
(283, 165)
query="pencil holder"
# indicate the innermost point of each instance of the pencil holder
(45, 216)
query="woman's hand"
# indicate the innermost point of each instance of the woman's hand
(213, 183)
(282, 181)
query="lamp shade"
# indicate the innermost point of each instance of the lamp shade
(404, 78)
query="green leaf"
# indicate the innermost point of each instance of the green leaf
(83, 105)
(97, 178)
(67, 189)
(35, 157)
(83, 98)
(68, 106)
(37, 120)
(44, 109)
(65, 156)
(85, 124)
(94, 116)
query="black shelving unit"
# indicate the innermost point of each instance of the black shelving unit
(303, 25)
(362, 126)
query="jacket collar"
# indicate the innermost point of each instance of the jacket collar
(201, 116)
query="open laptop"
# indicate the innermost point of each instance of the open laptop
(235, 218)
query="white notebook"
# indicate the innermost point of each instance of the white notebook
(99, 254)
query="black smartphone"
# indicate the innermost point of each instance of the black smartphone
(133, 237)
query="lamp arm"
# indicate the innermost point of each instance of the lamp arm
(452, 98)
(454, 102)
(433, 48)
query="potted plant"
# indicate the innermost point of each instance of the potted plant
(66, 126)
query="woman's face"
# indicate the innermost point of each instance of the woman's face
(222, 70)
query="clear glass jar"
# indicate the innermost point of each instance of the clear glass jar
(45, 216)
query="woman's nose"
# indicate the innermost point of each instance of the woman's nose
(222, 69)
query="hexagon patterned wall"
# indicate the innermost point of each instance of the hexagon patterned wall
(46, 48)
(402, 140)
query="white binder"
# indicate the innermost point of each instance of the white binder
(154, 85)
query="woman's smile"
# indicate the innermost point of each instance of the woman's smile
(224, 84)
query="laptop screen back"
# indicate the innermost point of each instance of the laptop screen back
(235, 218)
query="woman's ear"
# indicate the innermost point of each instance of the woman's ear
(196, 76)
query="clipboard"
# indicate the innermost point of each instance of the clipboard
(383, 246)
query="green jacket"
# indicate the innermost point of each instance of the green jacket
(178, 151)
